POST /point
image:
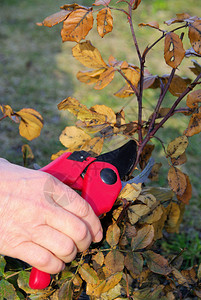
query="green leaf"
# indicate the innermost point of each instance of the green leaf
(2, 265)
(88, 274)
(7, 290)
(157, 263)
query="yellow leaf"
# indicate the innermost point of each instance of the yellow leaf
(173, 218)
(154, 216)
(106, 111)
(124, 92)
(104, 21)
(90, 77)
(88, 274)
(88, 55)
(56, 155)
(31, 123)
(27, 152)
(135, 212)
(173, 50)
(94, 145)
(55, 18)
(6, 110)
(113, 235)
(72, 137)
(177, 180)
(195, 35)
(177, 147)
(77, 25)
(132, 73)
(105, 78)
(193, 99)
(98, 260)
(130, 191)
(81, 111)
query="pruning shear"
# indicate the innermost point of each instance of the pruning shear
(99, 178)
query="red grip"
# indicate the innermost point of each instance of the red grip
(100, 194)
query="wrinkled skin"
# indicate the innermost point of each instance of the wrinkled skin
(42, 221)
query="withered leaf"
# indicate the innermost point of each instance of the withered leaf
(104, 21)
(177, 147)
(179, 18)
(101, 2)
(157, 263)
(190, 276)
(31, 123)
(153, 24)
(88, 274)
(143, 238)
(196, 69)
(194, 126)
(177, 180)
(153, 216)
(179, 277)
(114, 261)
(149, 81)
(98, 260)
(90, 77)
(113, 235)
(173, 50)
(7, 110)
(180, 160)
(130, 191)
(81, 111)
(187, 195)
(132, 73)
(178, 84)
(193, 99)
(72, 137)
(194, 35)
(108, 112)
(136, 3)
(27, 152)
(135, 212)
(173, 218)
(55, 18)
(77, 25)
(88, 55)
(124, 92)
(94, 145)
(73, 6)
(105, 78)
(134, 262)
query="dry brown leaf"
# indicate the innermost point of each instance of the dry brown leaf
(135, 212)
(179, 278)
(55, 18)
(194, 126)
(113, 235)
(101, 2)
(114, 261)
(194, 35)
(134, 262)
(106, 111)
(90, 77)
(95, 145)
(130, 192)
(179, 18)
(105, 78)
(98, 260)
(124, 92)
(143, 238)
(187, 195)
(88, 55)
(73, 137)
(173, 218)
(136, 3)
(154, 216)
(132, 73)
(88, 274)
(157, 263)
(104, 21)
(180, 160)
(193, 99)
(153, 24)
(7, 110)
(177, 147)
(77, 25)
(178, 84)
(190, 276)
(177, 180)
(173, 50)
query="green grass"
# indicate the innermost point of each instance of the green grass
(38, 71)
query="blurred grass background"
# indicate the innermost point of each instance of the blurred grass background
(38, 71)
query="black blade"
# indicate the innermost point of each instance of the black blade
(122, 158)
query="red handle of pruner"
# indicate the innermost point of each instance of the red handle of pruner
(100, 188)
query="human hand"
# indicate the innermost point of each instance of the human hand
(42, 221)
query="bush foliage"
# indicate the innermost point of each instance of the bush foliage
(127, 264)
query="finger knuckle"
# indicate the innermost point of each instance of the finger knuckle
(82, 232)
(68, 249)
(43, 260)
